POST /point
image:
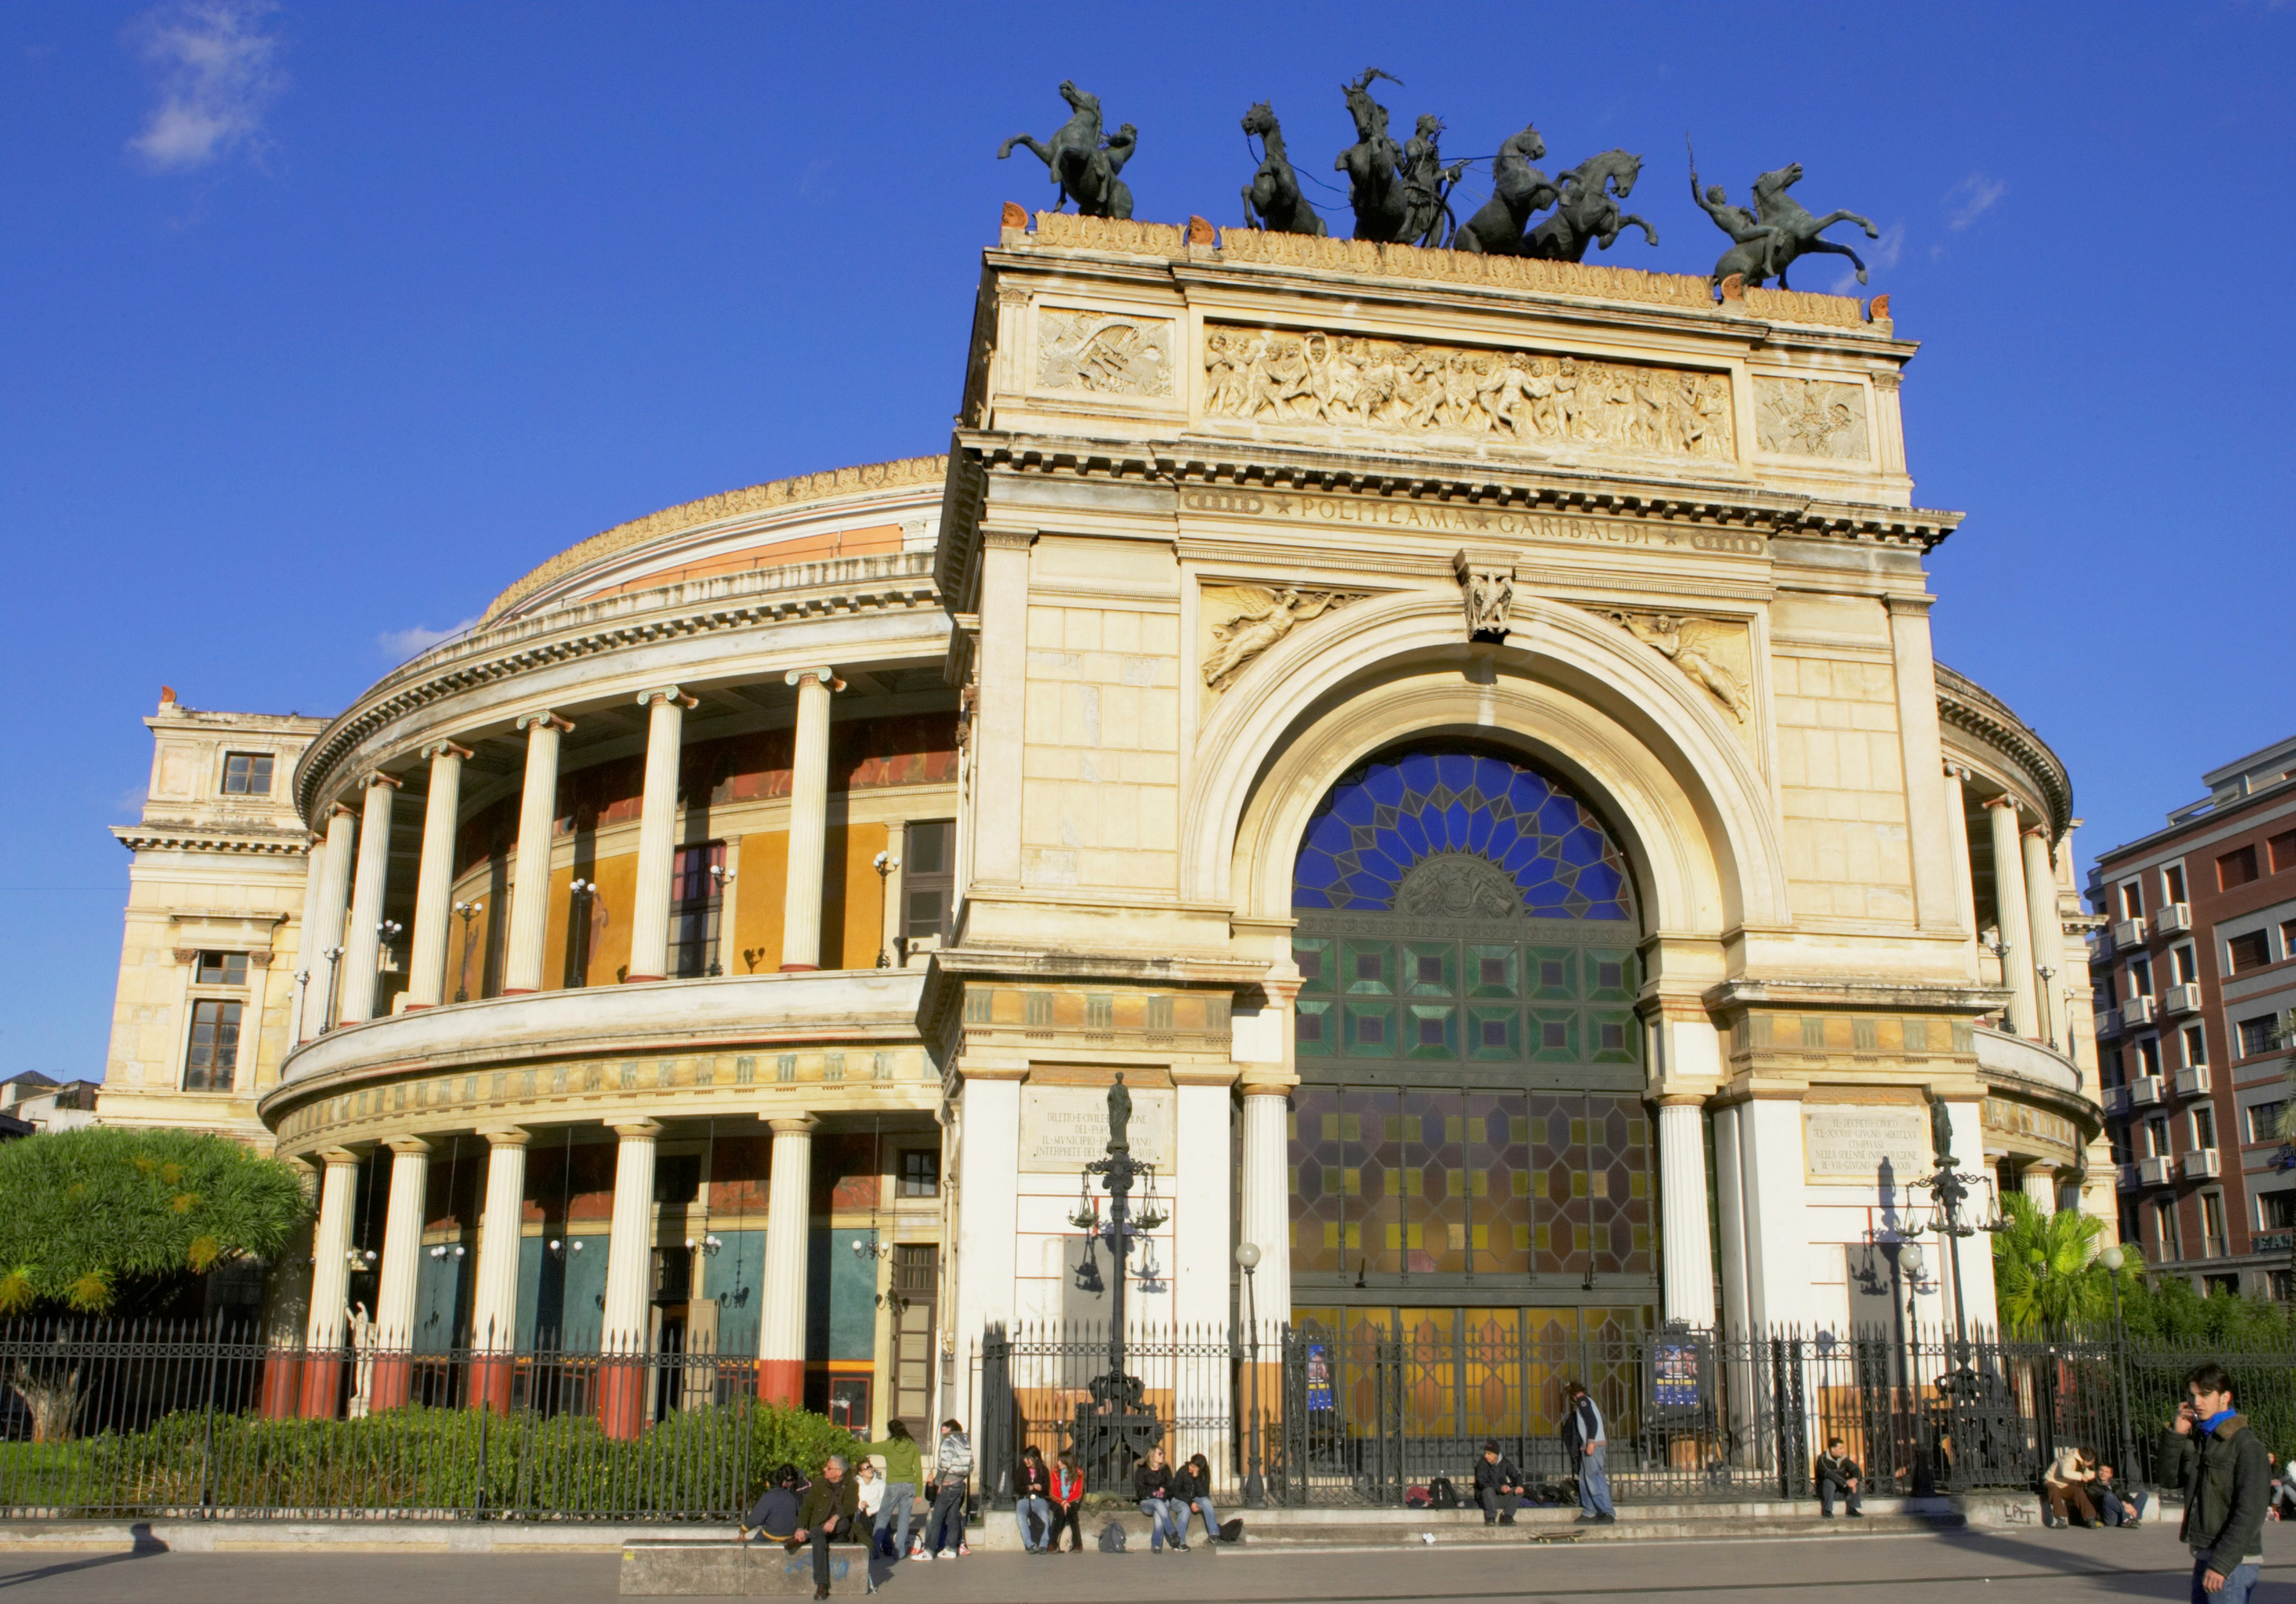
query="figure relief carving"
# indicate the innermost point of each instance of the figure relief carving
(1243, 620)
(1811, 417)
(1106, 354)
(1717, 656)
(1458, 885)
(1281, 376)
(1487, 587)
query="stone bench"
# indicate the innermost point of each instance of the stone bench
(669, 1566)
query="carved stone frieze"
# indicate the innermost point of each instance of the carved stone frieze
(1527, 397)
(1104, 353)
(1811, 417)
(1241, 622)
(1719, 656)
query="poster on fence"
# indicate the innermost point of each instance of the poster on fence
(1319, 1375)
(1676, 1373)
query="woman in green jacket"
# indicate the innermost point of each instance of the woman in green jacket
(903, 1470)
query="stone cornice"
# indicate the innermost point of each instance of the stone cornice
(1969, 706)
(771, 496)
(162, 838)
(898, 582)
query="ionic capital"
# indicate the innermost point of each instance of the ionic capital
(413, 1146)
(380, 778)
(2002, 801)
(1264, 1082)
(792, 1124)
(338, 1158)
(187, 955)
(446, 749)
(827, 677)
(668, 693)
(636, 1129)
(505, 1136)
(546, 719)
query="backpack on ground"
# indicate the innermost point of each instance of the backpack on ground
(1441, 1494)
(1232, 1531)
(1112, 1537)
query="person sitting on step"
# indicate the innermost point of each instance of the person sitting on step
(1152, 1486)
(827, 1516)
(1498, 1485)
(2122, 1502)
(776, 1515)
(2065, 1488)
(1839, 1477)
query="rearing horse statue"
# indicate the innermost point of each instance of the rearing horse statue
(1374, 165)
(1084, 166)
(1785, 229)
(1518, 189)
(1588, 211)
(1272, 200)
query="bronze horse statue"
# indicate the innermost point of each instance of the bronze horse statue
(1588, 212)
(1782, 229)
(1396, 191)
(1084, 165)
(1518, 189)
(1272, 200)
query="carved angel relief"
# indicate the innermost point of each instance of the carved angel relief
(1717, 656)
(1245, 620)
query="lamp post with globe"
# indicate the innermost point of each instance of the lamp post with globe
(2112, 1258)
(1247, 1256)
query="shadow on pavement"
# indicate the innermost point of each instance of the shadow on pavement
(145, 1546)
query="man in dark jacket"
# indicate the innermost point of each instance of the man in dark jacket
(1838, 1476)
(827, 1514)
(1498, 1485)
(1584, 1450)
(2226, 1493)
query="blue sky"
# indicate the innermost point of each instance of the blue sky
(319, 324)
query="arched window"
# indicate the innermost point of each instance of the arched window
(1471, 1117)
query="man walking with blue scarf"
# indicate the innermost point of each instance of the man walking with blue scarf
(1583, 1445)
(2227, 1486)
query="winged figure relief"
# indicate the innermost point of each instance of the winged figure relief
(1264, 618)
(1690, 643)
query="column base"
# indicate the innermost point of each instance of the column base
(323, 1385)
(632, 980)
(282, 1384)
(417, 1008)
(391, 1382)
(799, 968)
(517, 991)
(782, 1381)
(490, 1382)
(621, 1395)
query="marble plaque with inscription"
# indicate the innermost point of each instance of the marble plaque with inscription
(1849, 1143)
(1065, 1128)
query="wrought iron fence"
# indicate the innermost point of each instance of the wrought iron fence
(163, 1419)
(1374, 1416)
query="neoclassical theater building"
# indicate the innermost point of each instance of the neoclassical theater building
(1459, 734)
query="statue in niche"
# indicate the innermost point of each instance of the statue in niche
(1766, 241)
(1688, 643)
(1266, 617)
(1272, 200)
(1083, 164)
(1501, 226)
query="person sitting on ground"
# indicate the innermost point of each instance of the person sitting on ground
(897, 1500)
(2226, 1491)
(2284, 1491)
(1152, 1485)
(826, 1515)
(775, 1514)
(1498, 1485)
(2064, 1488)
(952, 1488)
(2120, 1502)
(1839, 1477)
(1032, 1502)
(1068, 1505)
(1192, 1493)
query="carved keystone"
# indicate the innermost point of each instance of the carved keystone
(1486, 589)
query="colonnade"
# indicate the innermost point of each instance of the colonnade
(2029, 939)
(625, 1330)
(351, 863)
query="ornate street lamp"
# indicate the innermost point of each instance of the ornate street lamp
(334, 957)
(2048, 1004)
(1118, 1416)
(1247, 1256)
(2112, 1258)
(884, 864)
(469, 911)
(720, 878)
(1951, 1187)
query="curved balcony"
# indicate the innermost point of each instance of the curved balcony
(655, 1021)
(2004, 1056)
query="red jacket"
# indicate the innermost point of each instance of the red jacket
(1068, 1486)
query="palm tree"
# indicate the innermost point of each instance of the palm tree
(2046, 1280)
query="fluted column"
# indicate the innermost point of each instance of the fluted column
(2040, 1183)
(326, 931)
(434, 881)
(1964, 885)
(2048, 930)
(331, 1246)
(657, 832)
(494, 1309)
(2011, 909)
(624, 1336)
(809, 820)
(781, 1316)
(538, 811)
(1686, 1257)
(1266, 1215)
(362, 944)
(402, 1262)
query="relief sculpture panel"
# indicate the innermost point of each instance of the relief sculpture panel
(1811, 417)
(1242, 621)
(1525, 398)
(1108, 354)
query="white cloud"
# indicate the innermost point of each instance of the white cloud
(400, 645)
(1882, 255)
(1972, 198)
(217, 71)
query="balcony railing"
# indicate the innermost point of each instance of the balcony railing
(2172, 918)
(2156, 1172)
(2108, 1023)
(2144, 1091)
(2183, 999)
(2202, 1163)
(2193, 1080)
(2128, 933)
(2136, 1010)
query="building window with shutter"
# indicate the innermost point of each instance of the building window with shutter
(2164, 1226)
(2249, 951)
(2284, 851)
(247, 774)
(2261, 1034)
(2172, 881)
(928, 878)
(697, 900)
(2236, 867)
(214, 1051)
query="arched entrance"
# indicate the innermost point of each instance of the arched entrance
(1472, 1166)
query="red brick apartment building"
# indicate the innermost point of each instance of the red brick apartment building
(2195, 977)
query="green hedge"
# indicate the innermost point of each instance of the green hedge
(698, 1463)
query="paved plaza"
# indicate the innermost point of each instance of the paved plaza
(2058, 1566)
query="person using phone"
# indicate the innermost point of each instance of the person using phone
(2227, 1491)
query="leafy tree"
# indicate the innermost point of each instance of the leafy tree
(105, 1219)
(2170, 1312)
(2046, 1278)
